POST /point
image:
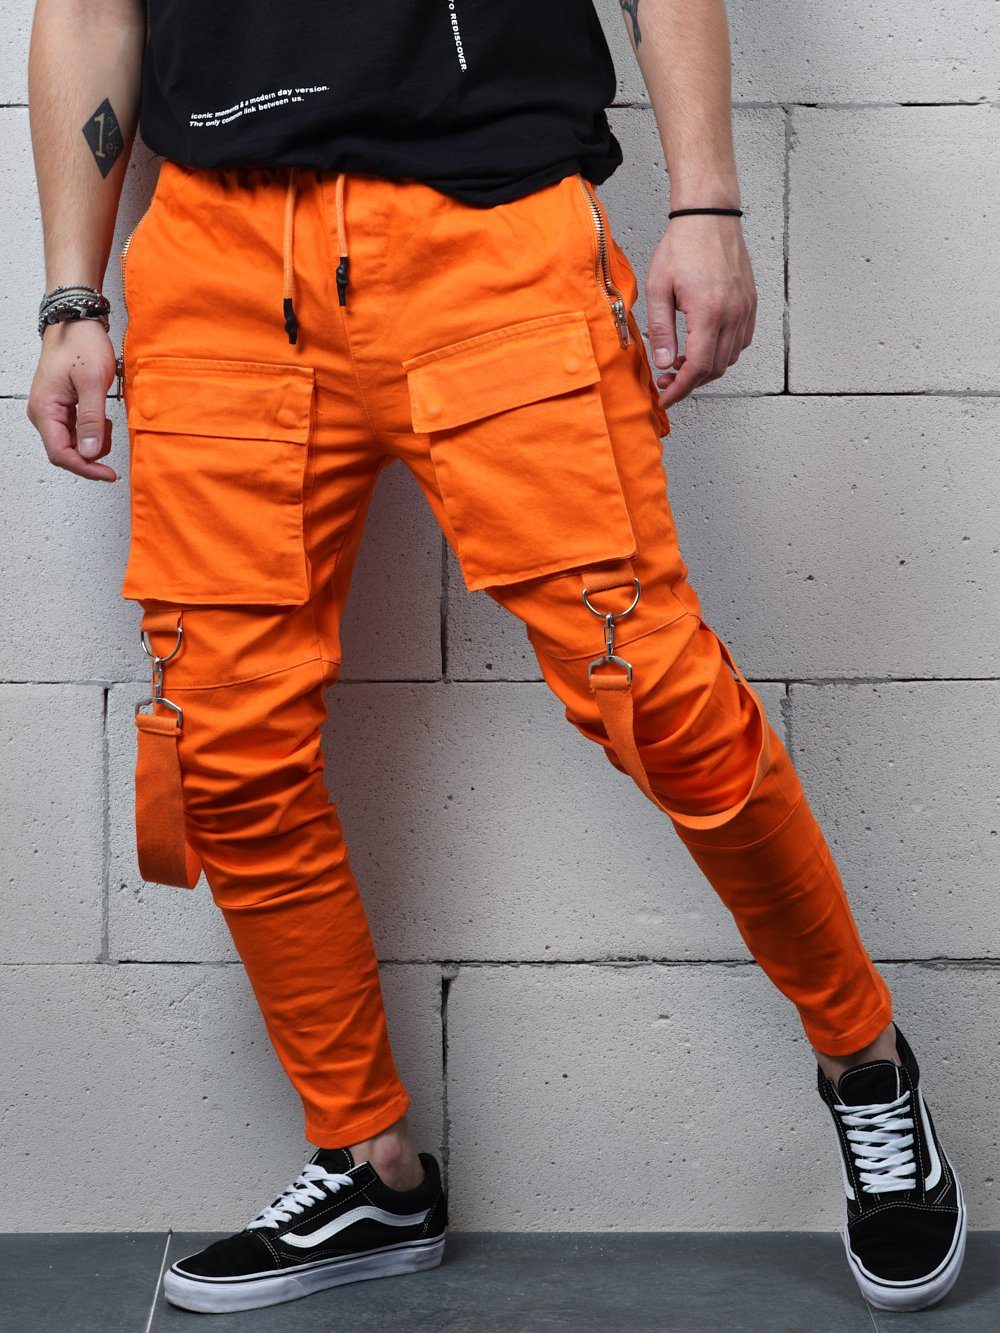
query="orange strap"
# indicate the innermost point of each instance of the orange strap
(612, 686)
(163, 851)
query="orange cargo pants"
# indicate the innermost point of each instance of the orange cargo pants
(291, 333)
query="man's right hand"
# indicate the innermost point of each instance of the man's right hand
(67, 404)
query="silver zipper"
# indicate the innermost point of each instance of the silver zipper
(120, 360)
(602, 267)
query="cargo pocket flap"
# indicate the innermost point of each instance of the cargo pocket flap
(236, 399)
(220, 452)
(522, 456)
(494, 372)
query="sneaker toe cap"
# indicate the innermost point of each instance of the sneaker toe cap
(229, 1257)
(904, 1244)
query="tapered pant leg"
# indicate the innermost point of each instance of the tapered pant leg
(253, 467)
(537, 437)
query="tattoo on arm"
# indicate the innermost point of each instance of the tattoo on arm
(104, 136)
(631, 8)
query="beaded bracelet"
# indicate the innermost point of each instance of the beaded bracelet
(70, 302)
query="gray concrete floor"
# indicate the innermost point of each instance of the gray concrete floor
(498, 1282)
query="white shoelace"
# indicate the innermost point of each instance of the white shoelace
(883, 1150)
(301, 1194)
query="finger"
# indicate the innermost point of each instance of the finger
(661, 318)
(744, 332)
(724, 349)
(687, 378)
(60, 446)
(91, 416)
(54, 431)
(699, 358)
(739, 340)
(665, 380)
(106, 442)
(70, 461)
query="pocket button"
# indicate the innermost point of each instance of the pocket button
(287, 417)
(571, 365)
(146, 404)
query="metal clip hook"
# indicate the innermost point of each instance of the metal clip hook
(610, 620)
(157, 697)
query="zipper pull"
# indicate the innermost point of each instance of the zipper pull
(120, 377)
(621, 321)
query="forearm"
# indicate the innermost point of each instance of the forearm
(684, 55)
(84, 64)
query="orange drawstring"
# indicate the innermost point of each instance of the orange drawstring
(291, 320)
(343, 268)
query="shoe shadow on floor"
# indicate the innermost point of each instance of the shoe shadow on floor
(639, 1282)
(504, 1283)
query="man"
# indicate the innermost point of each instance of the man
(376, 236)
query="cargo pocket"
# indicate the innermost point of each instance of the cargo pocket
(521, 451)
(219, 451)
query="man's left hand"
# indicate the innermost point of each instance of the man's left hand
(701, 267)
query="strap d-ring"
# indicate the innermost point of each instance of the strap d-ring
(603, 615)
(147, 645)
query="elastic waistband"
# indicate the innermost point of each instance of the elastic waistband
(247, 175)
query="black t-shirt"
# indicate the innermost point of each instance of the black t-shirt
(485, 100)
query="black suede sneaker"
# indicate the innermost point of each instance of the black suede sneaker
(337, 1222)
(906, 1220)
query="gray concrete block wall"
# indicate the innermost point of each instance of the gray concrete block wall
(569, 1002)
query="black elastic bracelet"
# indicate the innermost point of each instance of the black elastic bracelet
(727, 212)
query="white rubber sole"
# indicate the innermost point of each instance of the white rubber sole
(208, 1295)
(920, 1294)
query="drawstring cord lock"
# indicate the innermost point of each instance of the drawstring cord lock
(343, 268)
(343, 278)
(291, 319)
